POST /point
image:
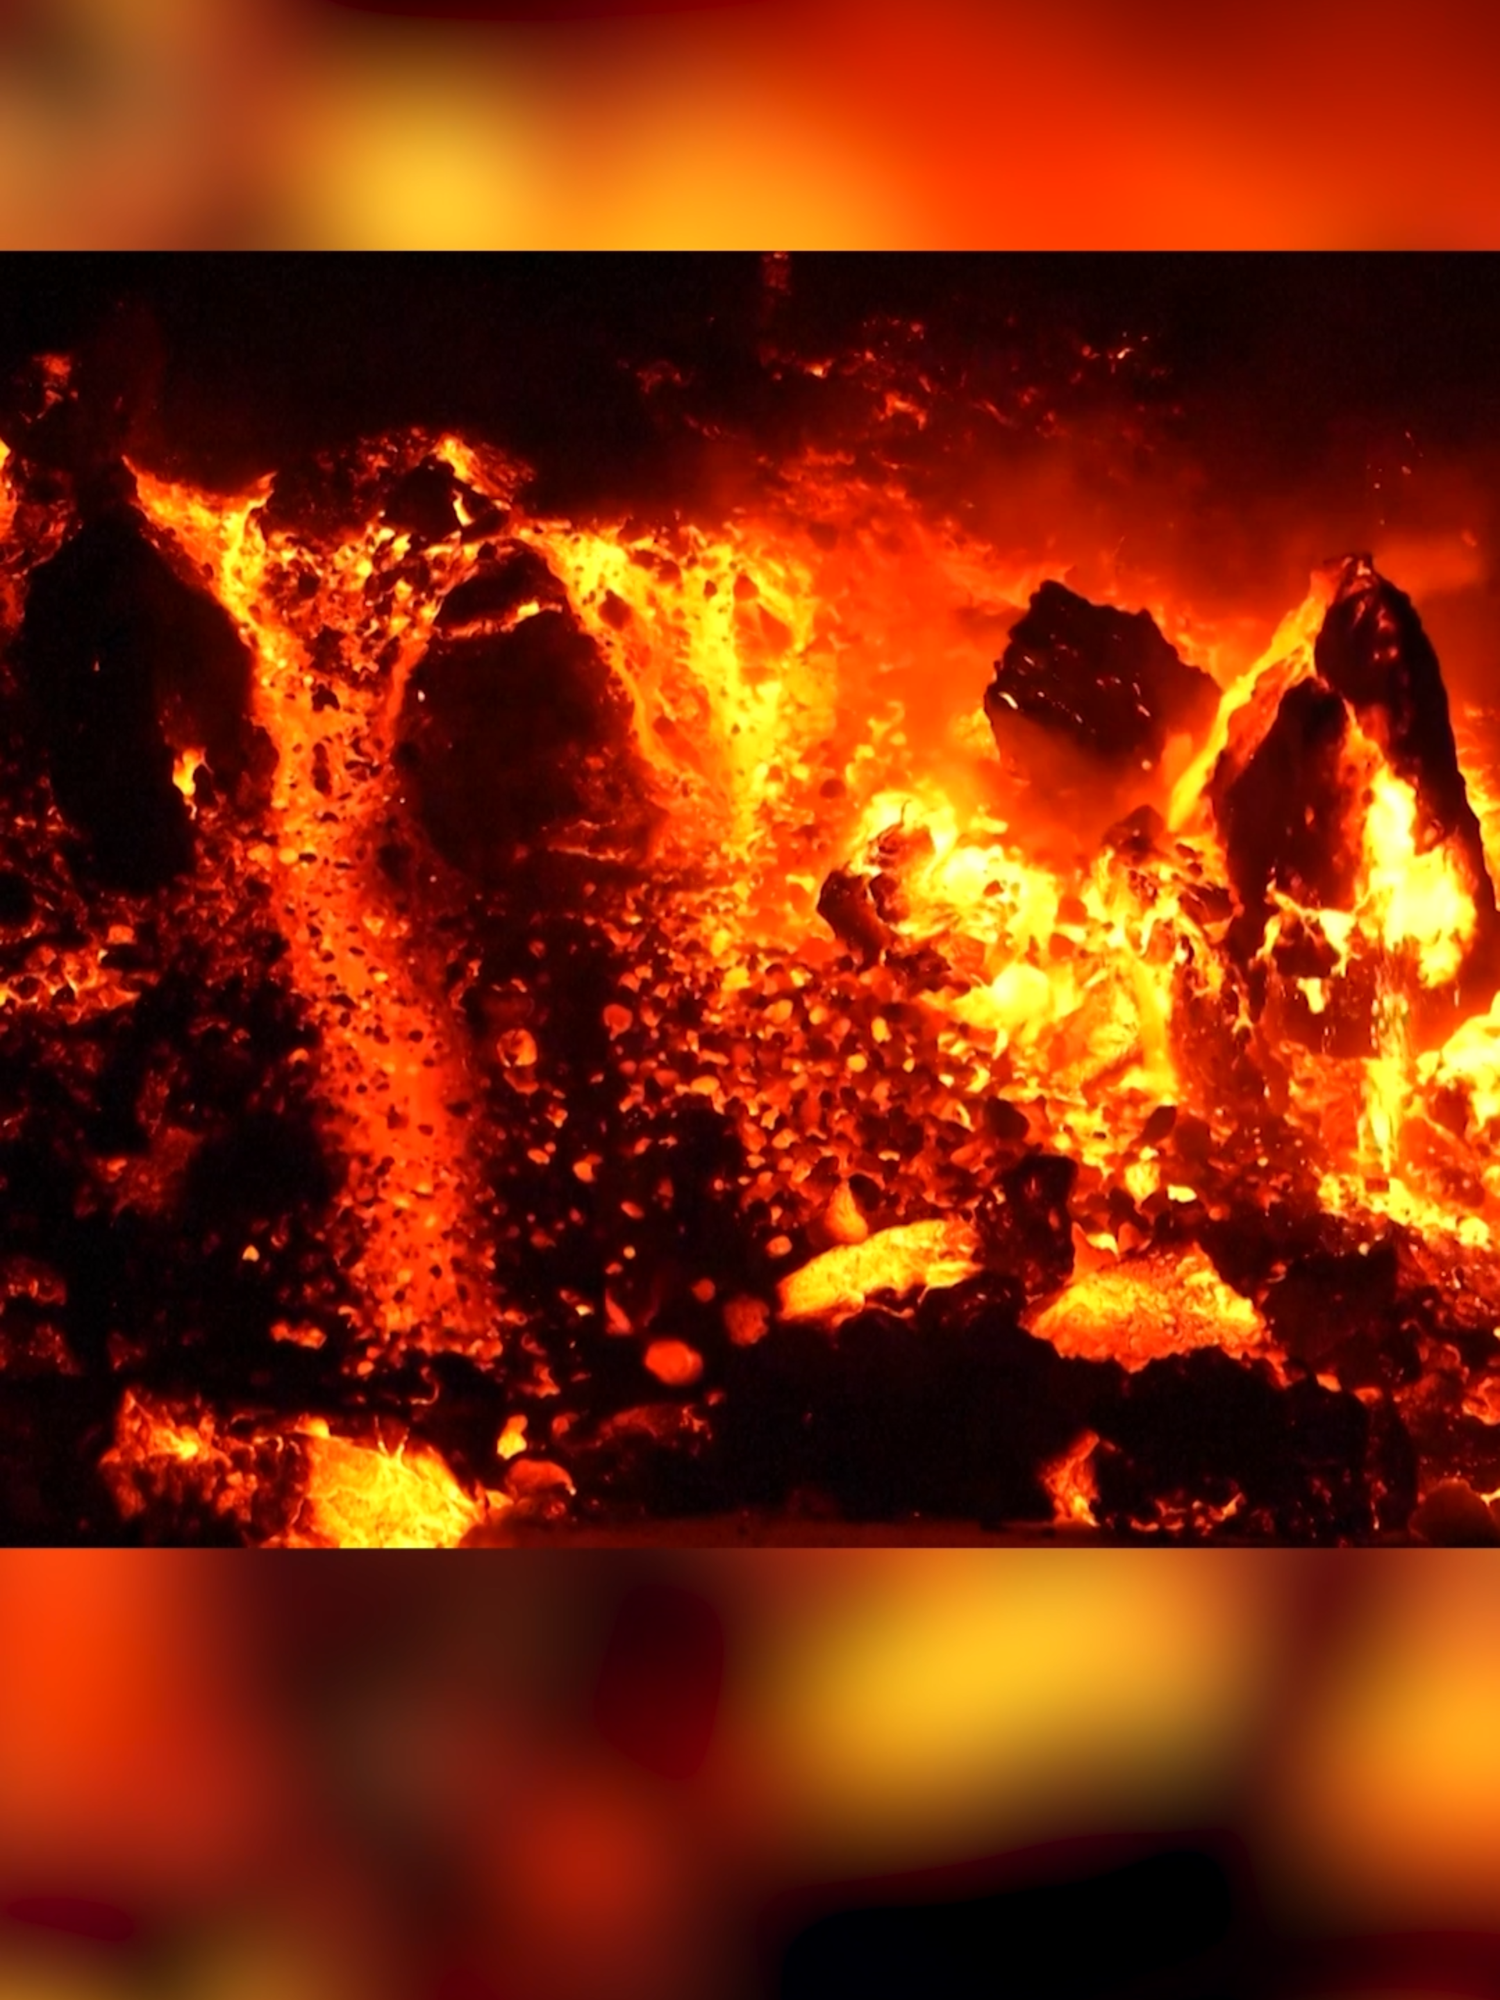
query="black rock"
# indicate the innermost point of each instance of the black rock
(1203, 1432)
(488, 599)
(517, 737)
(950, 1414)
(1104, 679)
(1286, 793)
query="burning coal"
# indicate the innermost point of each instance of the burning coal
(516, 1019)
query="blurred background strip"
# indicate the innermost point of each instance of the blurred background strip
(741, 123)
(222, 1779)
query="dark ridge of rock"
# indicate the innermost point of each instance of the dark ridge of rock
(1103, 679)
(1197, 1430)
(1288, 796)
(122, 664)
(1373, 652)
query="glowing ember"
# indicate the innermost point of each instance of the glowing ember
(899, 1260)
(1070, 1483)
(297, 1487)
(1145, 1307)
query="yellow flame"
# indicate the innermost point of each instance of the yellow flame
(186, 767)
(1416, 897)
(1070, 1484)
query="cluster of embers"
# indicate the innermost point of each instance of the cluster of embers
(1204, 1334)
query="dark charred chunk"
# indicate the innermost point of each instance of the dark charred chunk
(325, 493)
(122, 663)
(847, 906)
(1335, 1305)
(1104, 679)
(1006, 1122)
(1453, 1515)
(1137, 837)
(1026, 1227)
(520, 737)
(1288, 794)
(490, 599)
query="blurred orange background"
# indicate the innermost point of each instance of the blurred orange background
(370, 1784)
(394, 1781)
(797, 123)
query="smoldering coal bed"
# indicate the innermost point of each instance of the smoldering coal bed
(644, 1025)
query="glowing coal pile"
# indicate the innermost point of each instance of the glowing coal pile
(511, 1019)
